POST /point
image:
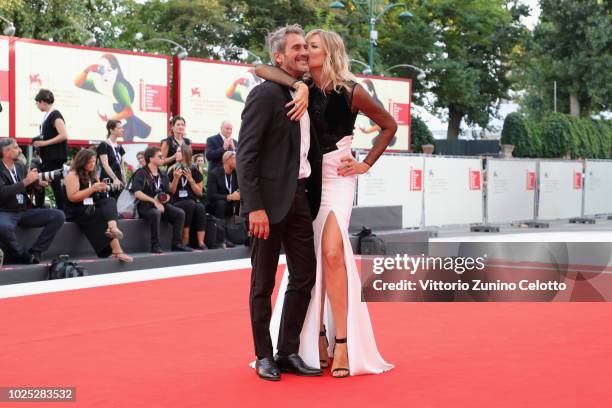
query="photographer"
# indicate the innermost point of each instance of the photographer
(52, 141)
(186, 189)
(15, 207)
(150, 187)
(110, 154)
(90, 206)
(222, 188)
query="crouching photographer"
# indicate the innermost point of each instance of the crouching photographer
(16, 207)
(89, 205)
(150, 186)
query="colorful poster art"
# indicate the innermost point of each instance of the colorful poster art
(4, 88)
(90, 87)
(210, 92)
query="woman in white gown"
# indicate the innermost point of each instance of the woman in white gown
(337, 320)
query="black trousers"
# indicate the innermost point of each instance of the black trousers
(172, 214)
(295, 233)
(56, 184)
(94, 225)
(195, 214)
(50, 219)
(224, 208)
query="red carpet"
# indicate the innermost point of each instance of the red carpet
(186, 342)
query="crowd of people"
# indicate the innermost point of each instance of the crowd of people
(167, 185)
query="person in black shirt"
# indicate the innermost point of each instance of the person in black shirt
(170, 145)
(110, 154)
(186, 189)
(150, 187)
(53, 143)
(89, 205)
(15, 204)
(222, 188)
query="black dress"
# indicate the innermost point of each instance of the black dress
(185, 199)
(173, 146)
(93, 219)
(331, 115)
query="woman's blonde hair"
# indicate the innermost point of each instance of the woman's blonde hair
(335, 73)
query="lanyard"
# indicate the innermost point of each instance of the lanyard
(115, 151)
(13, 174)
(228, 184)
(158, 183)
(184, 181)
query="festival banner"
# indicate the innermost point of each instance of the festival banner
(560, 189)
(394, 180)
(510, 190)
(4, 87)
(453, 191)
(211, 91)
(91, 86)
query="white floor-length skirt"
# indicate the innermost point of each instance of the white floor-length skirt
(337, 197)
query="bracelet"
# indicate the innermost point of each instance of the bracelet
(296, 84)
(370, 165)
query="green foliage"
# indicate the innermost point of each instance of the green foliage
(572, 45)
(579, 137)
(420, 134)
(523, 134)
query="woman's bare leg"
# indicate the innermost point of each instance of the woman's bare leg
(336, 284)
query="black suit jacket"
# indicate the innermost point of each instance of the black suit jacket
(10, 189)
(268, 157)
(215, 185)
(214, 151)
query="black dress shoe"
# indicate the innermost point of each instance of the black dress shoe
(181, 248)
(24, 258)
(35, 256)
(156, 249)
(267, 369)
(295, 365)
(229, 244)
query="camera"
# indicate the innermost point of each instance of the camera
(51, 175)
(110, 187)
(162, 197)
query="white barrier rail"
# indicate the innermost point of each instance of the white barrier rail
(560, 189)
(597, 187)
(510, 190)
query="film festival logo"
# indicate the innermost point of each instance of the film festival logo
(474, 179)
(195, 92)
(531, 180)
(489, 272)
(416, 179)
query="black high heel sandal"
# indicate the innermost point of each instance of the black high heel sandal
(324, 363)
(340, 341)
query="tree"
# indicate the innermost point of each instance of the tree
(467, 49)
(572, 45)
(420, 134)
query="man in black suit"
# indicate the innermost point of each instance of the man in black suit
(222, 188)
(15, 207)
(218, 144)
(276, 157)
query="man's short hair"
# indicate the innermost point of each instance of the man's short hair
(45, 95)
(277, 40)
(150, 152)
(6, 142)
(228, 155)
